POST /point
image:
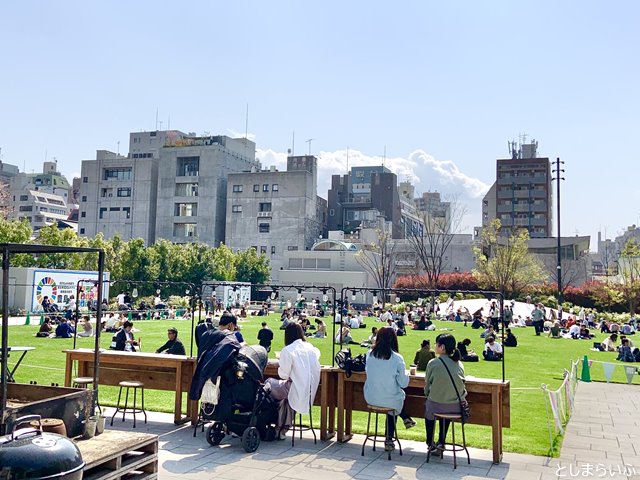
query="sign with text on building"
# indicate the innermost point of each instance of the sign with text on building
(59, 285)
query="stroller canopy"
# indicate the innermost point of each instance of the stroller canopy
(257, 357)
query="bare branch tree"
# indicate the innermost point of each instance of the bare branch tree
(432, 239)
(378, 259)
(5, 204)
(574, 272)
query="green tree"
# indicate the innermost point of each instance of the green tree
(223, 264)
(66, 237)
(629, 273)
(251, 267)
(504, 263)
(15, 231)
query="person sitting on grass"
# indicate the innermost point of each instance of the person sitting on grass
(421, 324)
(585, 334)
(510, 340)
(64, 329)
(372, 338)
(343, 337)
(424, 356)
(555, 331)
(45, 329)
(489, 332)
(610, 343)
(321, 329)
(87, 328)
(624, 352)
(467, 354)
(492, 350)
(173, 346)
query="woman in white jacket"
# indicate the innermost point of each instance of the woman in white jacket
(299, 371)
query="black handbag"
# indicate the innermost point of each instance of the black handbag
(465, 409)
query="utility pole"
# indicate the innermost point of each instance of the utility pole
(309, 142)
(558, 172)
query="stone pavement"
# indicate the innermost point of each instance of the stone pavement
(602, 433)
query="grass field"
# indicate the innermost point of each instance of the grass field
(536, 361)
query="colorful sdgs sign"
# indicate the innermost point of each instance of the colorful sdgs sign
(59, 285)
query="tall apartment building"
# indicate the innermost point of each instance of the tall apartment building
(275, 212)
(192, 186)
(521, 197)
(359, 198)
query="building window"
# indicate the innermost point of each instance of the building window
(24, 198)
(332, 212)
(274, 187)
(102, 212)
(83, 214)
(186, 190)
(188, 166)
(273, 250)
(127, 211)
(265, 207)
(82, 231)
(255, 247)
(292, 248)
(236, 208)
(186, 210)
(124, 192)
(263, 249)
(185, 230)
(106, 192)
(263, 227)
(117, 173)
(237, 188)
(256, 188)
(114, 209)
(265, 187)
(85, 179)
(84, 198)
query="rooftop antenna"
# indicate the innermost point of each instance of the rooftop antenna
(309, 142)
(246, 123)
(384, 155)
(118, 152)
(293, 143)
(156, 119)
(160, 125)
(169, 123)
(348, 162)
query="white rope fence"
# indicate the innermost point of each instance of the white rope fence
(560, 402)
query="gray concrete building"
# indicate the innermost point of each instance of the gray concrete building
(192, 186)
(275, 212)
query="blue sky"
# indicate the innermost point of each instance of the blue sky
(441, 85)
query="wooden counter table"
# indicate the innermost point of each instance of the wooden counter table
(488, 398)
(158, 371)
(326, 397)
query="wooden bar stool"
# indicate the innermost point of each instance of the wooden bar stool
(301, 427)
(376, 437)
(453, 446)
(84, 382)
(126, 409)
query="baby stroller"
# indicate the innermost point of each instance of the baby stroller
(244, 407)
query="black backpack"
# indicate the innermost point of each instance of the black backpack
(350, 364)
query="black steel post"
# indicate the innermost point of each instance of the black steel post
(5, 335)
(96, 359)
(559, 265)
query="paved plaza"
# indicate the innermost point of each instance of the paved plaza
(602, 437)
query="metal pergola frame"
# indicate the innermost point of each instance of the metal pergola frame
(433, 293)
(9, 249)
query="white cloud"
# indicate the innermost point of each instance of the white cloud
(423, 170)
(235, 134)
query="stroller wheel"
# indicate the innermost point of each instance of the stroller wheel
(250, 439)
(215, 434)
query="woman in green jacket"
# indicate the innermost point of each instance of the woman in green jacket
(439, 388)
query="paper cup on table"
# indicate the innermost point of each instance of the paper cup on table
(412, 369)
(278, 355)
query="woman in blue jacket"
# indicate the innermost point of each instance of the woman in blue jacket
(386, 378)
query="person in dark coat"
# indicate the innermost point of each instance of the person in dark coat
(173, 346)
(124, 340)
(64, 330)
(215, 349)
(203, 326)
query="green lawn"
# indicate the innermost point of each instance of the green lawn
(536, 361)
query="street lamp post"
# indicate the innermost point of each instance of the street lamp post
(558, 172)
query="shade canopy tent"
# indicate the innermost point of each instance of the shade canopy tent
(9, 249)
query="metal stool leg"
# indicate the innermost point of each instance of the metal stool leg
(144, 412)
(135, 392)
(126, 404)
(464, 444)
(367, 435)
(453, 439)
(375, 438)
(117, 406)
